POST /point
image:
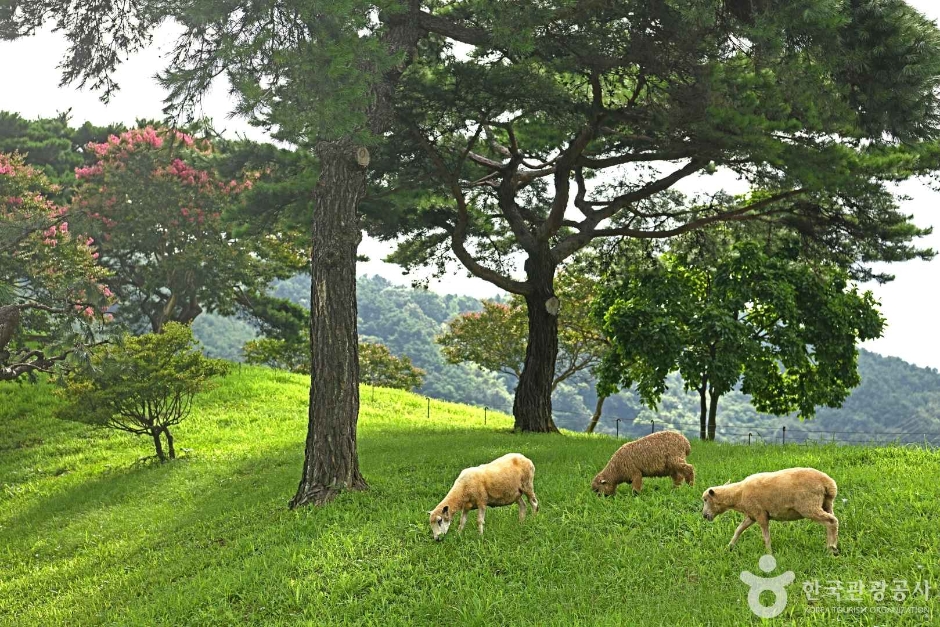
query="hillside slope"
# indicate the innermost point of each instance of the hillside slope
(90, 536)
(894, 396)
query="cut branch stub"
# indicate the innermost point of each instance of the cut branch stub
(362, 156)
(552, 305)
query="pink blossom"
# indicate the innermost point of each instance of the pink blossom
(88, 171)
(89, 312)
(185, 138)
(64, 227)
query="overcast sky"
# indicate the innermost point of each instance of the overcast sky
(29, 85)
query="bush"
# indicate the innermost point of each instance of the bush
(142, 385)
(377, 365)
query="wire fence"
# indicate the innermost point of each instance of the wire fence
(768, 432)
(778, 433)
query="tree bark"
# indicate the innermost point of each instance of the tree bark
(703, 409)
(158, 445)
(331, 463)
(597, 414)
(712, 413)
(532, 407)
(171, 451)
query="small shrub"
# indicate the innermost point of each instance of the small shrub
(377, 365)
(142, 385)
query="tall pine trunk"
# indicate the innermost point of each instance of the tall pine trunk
(712, 413)
(703, 409)
(532, 407)
(598, 408)
(331, 463)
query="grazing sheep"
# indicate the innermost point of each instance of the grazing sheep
(503, 481)
(789, 494)
(656, 455)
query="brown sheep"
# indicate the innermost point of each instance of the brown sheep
(503, 481)
(656, 455)
(790, 494)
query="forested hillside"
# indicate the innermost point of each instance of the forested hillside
(894, 396)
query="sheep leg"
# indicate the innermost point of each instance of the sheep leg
(637, 482)
(463, 520)
(831, 523)
(521, 503)
(764, 522)
(747, 522)
(676, 479)
(481, 515)
(529, 491)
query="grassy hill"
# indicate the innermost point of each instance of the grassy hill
(90, 535)
(894, 396)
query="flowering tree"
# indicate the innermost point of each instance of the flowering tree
(52, 290)
(156, 206)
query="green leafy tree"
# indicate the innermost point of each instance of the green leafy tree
(53, 292)
(157, 208)
(729, 312)
(495, 338)
(577, 123)
(278, 354)
(377, 365)
(142, 385)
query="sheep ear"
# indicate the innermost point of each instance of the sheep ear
(711, 492)
(446, 509)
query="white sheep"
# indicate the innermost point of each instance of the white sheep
(503, 481)
(789, 494)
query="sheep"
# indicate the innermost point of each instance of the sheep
(790, 494)
(503, 481)
(656, 455)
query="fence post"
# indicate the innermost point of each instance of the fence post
(784, 434)
(653, 426)
(748, 438)
(429, 408)
(618, 426)
(484, 415)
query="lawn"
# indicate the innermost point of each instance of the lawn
(91, 532)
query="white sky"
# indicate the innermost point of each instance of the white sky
(29, 86)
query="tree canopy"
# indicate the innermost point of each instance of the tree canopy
(579, 122)
(53, 290)
(725, 308)
(157, 207)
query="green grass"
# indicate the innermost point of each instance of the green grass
(91, 535)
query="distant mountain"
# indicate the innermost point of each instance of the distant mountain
(894, 396)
